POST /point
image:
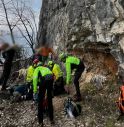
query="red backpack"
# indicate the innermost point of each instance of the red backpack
(120, 101)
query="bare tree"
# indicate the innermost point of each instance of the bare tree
(28, 29)
(8, 22)
(24, 20)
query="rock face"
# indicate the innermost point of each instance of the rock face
(94, 28)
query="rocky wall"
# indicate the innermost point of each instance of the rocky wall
(90, 26)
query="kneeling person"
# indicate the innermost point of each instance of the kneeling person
(58, 78)
(29, 77)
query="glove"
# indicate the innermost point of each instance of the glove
(35, 97)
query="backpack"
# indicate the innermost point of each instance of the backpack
(120, 101)
(71, 108)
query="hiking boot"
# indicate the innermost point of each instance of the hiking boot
(77, 98)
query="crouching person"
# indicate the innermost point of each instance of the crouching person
(58, 78)
(29, 77)
(43, 78)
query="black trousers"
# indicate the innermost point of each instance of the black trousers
(45, 85)
(6, 73)
(59, 86)
(29, 94)
(77, 76)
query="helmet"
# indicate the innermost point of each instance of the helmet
(50, 63)
(62, 56)
(35, 61)
(40, 64)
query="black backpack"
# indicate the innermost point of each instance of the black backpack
(71, 108)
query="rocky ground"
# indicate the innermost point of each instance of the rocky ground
(98, 110)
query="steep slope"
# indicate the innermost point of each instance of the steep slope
(98, 110)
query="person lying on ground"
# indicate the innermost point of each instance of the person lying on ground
(72, 63)
(20, 92)
(58, 78)
(43, 77)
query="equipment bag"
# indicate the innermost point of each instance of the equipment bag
(120, 101)
(71, 108)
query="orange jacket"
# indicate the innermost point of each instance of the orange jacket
(120, 101)
(44, 51)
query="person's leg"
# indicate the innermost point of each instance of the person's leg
(30, 91)
(6, 74)
(56, 88)
(49, 85)
(41, 95)
(59, 86)
(62, 84)
(78, 74)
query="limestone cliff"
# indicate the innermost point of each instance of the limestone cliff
(91, 28)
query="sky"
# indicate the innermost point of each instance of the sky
(36, 5)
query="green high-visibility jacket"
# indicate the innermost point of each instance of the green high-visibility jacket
(42, 71)
(70, 60)
(57, 71)
(30, 72)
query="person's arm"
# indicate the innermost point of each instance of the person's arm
(35, 80)
(55, 72)
(68, 73)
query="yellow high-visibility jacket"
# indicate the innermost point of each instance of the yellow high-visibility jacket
(57, 71)
(30, 72)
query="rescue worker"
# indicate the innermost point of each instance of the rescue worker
(29, 78)
(43, 78)
(36, 56)
(8, 53)
(30, 71)
(45, 51)
(71, 63)
(58, 78)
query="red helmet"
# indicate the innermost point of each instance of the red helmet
(35, 61)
